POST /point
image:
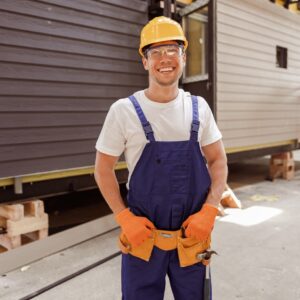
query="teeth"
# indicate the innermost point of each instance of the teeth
(165, 69)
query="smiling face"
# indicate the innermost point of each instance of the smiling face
(164, 67)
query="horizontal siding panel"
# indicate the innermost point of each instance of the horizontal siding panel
(55, 13)
(35, 25)
(23, 120)
(62, 64)
(250, 20)
(258, 80)
(226, 125)
(44, 104)
(43, 135)
(22, 167)
(34, 88)
(258, 106)
(267, 99)
(58, 59)
(258, 140)
(241, 52)
(253, 89)
(291, 131)
(136, 13)
(59, 44)
(40, 150)
(228, 97)
(267, 69)
(256, 115)
(256, 37)
(30, 72)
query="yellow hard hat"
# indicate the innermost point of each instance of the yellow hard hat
(161, 29)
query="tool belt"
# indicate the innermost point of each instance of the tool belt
(190, 251)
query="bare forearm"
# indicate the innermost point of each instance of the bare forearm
(218, 172)
(109, 187)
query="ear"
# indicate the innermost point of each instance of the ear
(145, 63)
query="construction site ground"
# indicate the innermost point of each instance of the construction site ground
(258, 247)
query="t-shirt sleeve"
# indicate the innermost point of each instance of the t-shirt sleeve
(111, 140)
(211, 132)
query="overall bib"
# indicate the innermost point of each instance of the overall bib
(169, 183)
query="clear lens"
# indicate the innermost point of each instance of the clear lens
(169, 50)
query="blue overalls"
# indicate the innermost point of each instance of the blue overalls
(169, 183)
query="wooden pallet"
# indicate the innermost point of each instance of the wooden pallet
(282, 165)
(228, 199)
(22, 221)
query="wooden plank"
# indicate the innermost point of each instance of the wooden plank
(47, 135)
(13, 212)
(31, 72)
(19, 22)
(57, 89)
(10, 242)
(33, 251)
(27, 224)
(70, 16)
(54, 43)
(34, 208)
(67, 60)
(2, 222)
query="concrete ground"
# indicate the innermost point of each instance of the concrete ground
(258, 246)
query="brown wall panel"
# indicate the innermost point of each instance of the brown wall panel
(44, 104)
(59, 59)
(41, 73)
(22, 136)
(62, 64)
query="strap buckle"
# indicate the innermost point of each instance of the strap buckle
(147, 128)
(195, 126)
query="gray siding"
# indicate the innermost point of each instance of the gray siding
(257, 103)
(62, 64)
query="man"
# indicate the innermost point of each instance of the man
(162, 131)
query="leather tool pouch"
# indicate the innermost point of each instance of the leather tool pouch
(189, 250)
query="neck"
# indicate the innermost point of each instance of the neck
(162, 94)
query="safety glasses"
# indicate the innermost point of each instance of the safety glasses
(171, 50)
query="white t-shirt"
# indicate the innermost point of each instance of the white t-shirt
(122, 130)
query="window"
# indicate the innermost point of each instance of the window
(281, 57)
(196, 26)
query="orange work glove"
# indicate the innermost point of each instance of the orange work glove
(136, 229)
(200, 224)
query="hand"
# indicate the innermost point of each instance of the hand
(200, 224)
(136, 229)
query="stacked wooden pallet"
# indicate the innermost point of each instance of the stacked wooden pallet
(21, 221)
(282, 165)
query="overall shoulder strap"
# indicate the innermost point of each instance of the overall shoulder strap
(195, 123)
(146, 125)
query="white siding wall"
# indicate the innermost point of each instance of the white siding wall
(257, 103)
